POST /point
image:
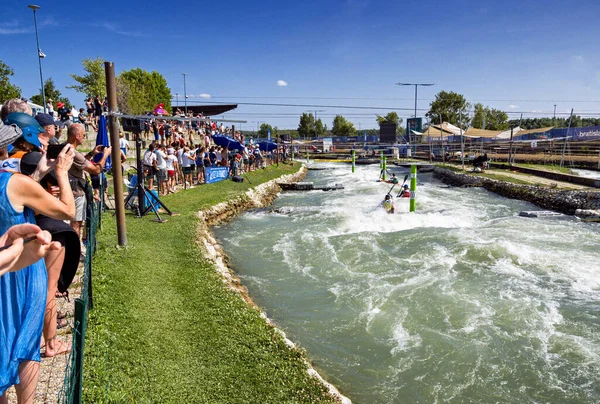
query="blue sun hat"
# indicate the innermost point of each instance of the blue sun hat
(28, 125)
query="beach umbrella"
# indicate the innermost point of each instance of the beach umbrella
(160, 109)
(102, 139)
(226, 141)
(267, 146)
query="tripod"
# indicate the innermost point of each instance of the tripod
(141, 191)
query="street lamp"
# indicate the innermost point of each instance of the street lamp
(40, 54)
(416, 86)
(184, 93)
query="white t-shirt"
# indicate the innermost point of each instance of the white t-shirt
(123, 143)
(185, 160)
(170, 162)
(149, 158)
(161, 164)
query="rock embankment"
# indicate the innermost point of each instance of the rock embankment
(563, 201)
(259, 196)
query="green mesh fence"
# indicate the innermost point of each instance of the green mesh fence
(72, 385)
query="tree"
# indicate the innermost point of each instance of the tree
(309, 127)
(342, 127)
(391, 117)
(51, 93)
(7, 90)
(306, 126)
(94, 82)
(320, 129)
(139, 91)
(494, 118)
(264, 131)
(448, 106)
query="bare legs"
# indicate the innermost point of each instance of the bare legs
(54, 262)
(29, 372)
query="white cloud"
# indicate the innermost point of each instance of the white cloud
(13, 27)
(536, 110)
(48, 22)
(512, 106)
(578, 58)
(205, 95)
(115, 29)
(281, 83)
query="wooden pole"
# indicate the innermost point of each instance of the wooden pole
(111, 92)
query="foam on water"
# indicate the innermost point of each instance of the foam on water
(587, 173)
(463, 300)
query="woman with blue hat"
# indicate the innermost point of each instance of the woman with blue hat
(23, 293)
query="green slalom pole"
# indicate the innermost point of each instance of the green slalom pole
(381, 161)
(413, 187)
(384, 167)
(353, 159)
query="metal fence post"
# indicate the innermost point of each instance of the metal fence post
(78, 348)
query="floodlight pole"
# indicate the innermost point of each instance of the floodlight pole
(39, 53)
(416, 87)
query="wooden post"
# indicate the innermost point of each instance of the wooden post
(111, 92)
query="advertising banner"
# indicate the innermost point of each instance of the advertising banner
(215, 174)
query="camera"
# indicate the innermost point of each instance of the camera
(54, 150)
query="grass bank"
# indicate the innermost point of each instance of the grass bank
(164, 327)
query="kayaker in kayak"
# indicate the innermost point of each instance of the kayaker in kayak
(405, 193)
(388, 204)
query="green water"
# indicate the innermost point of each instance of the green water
(463, 301)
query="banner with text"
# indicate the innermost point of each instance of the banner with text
(215, 174)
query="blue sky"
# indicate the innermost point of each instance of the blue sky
(518, 56)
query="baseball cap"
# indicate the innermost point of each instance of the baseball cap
(28, 125)
(59, 104)
(47, 119)
(8, 134)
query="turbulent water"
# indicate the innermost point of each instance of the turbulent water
(463, 301)
(587, 173)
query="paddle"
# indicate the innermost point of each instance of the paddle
(403, 182)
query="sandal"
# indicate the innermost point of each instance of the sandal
(61, 323)
(64, 295)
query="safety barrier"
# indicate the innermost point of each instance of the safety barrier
(71, 391)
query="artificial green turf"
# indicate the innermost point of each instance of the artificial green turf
(165, 329)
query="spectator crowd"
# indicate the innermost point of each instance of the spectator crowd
(44, 197)
(46, 188)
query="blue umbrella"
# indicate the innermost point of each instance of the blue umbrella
(102, 139)
(226, 141)
(267, 146)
